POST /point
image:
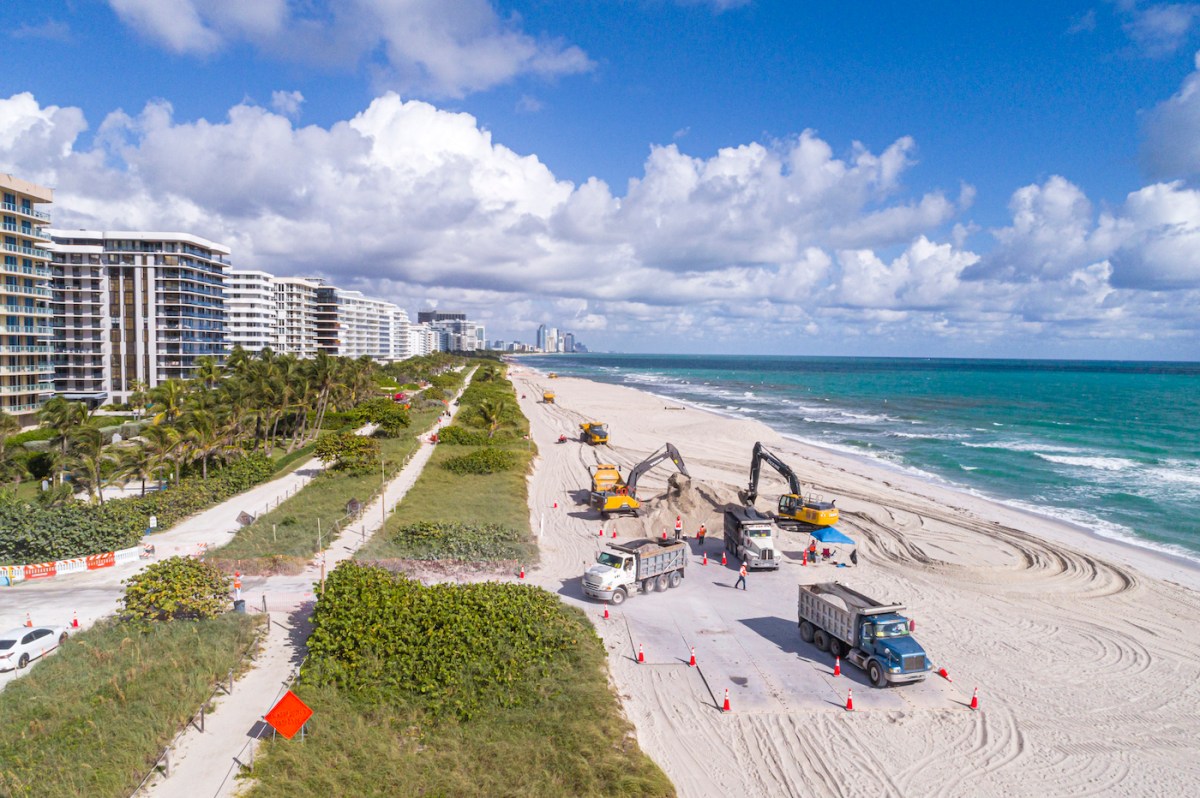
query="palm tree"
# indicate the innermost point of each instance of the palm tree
(205, 437)
(169, 396)
(491, 411)
(88, 458)
(65, 417)
(208, 371)
(8, 426)
(162, 443)
(133, 462)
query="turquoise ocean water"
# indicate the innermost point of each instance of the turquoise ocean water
(1111, 446)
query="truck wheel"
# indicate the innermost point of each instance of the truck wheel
(660, 584)
(674, 579)
(648, 585)
(876, 674)
(806, 631)
(835, 647)
(821, 639)
(618, 598)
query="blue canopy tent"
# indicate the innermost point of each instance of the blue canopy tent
(830, 534)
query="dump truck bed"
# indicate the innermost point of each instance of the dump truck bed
(815, 605)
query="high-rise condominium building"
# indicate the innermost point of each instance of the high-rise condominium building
(541, 337)
(250, 311)
(350, 324)
(25, 367)
(296, 316)
(165, 304)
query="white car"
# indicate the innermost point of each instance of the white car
(19, 646)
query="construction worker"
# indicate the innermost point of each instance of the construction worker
(812, 551)
(741, 580)
(700, 534)
(678, 527)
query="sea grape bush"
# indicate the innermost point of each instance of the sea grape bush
(481, 461)
(431, 540)
(450, 649)
(178, 588)
(456, 435)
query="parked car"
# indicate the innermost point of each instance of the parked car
(19, 646)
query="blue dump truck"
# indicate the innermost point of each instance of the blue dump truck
(873, 636)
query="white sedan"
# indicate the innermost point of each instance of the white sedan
(19, 646)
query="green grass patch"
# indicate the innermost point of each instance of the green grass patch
(91, 719)
(467, 690)
(290, 461)
(288, 534)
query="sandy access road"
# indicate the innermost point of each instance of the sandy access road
(1083, 649)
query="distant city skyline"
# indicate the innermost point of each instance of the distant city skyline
(723, 176)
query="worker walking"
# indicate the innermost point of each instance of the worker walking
(700, 535)
(741, 580)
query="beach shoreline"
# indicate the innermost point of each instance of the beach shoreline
(1080, 645)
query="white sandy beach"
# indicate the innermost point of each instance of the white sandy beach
(1084, 650)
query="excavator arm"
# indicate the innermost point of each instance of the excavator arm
(761, 455)
(667, 452)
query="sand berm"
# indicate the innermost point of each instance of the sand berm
(1085, 651)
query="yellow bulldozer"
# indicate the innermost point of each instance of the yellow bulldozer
(548, 397)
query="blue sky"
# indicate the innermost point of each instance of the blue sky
(658, 175)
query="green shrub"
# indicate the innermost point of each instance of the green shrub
(452, 649)
(456, 435)
(347, 451)
(178, 588)
(37, 533)
(487, 460)
(430, 540)
(39, 434)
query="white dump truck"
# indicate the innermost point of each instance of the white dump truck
(750, 536)
(653, 564)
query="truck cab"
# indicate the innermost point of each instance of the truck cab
(750, 535)
(887, 638)
(613, 570)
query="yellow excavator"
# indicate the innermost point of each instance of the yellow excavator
(612, 494)
(794, 509)
(593, 432)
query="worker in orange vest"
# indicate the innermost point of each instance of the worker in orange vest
(700, 535)
(741, 580)
(678, 527)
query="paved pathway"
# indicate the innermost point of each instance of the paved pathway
(206, 764)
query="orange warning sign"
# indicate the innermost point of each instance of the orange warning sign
(289, 715)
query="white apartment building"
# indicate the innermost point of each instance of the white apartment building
(251, 313)
(82, 349)
(165, 298)
(400, 326)
(296, 316)
(25, 365)
(422, 340)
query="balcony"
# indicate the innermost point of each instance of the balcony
(24, 350)
(25, 369)
(36, 271)
(31, 251)
(28, 232)
(25, 408)
(37, 387)
(9, 288)
(17, 329)
(24, 310)
(30, 212)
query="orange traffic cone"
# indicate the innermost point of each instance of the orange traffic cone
(850, 700)
(975, 699)
(28, 620)
(692, 661)
(641, 656)
(723, 560)
(837, 666)
(726, 707)
(522, 574)
(705, 559)
(614, 533)
(601, 532)
(664, 534)
(804, 558)
(944, 674)
(606, 610)
(912, 625)
(74, 620)
(555, 506)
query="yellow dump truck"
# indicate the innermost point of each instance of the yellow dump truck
(593, 432)
(548, 397)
